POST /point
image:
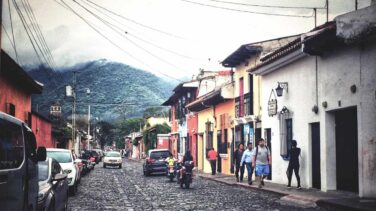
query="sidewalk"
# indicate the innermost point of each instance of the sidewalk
(334, 200)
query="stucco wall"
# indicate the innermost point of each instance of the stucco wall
(339, 70)
(203, 117)
(300, 99)
(228, 108)
(12, 94)
(42, 130)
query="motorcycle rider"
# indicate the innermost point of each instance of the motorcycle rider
(187, 157)
(170, 161)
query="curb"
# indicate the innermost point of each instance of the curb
(285, 198)
(244, 186)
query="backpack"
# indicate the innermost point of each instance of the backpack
(267, 148)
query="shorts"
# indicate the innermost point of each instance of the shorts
(262, 170)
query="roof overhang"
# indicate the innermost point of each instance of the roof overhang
(275, 65)
(13, 72)
(240, 55)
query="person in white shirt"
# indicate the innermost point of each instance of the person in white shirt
(247, 159)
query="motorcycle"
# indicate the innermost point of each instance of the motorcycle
(171, 173)
(187, 172)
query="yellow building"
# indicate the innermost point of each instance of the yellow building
(215, 109)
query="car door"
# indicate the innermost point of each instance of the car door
(13, 168)
(58, 186)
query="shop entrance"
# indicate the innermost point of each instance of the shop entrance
(346, 131)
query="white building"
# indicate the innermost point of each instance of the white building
(328, 104)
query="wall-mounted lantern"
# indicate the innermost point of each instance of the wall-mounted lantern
(281, 87)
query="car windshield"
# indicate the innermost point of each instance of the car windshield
(113, 154)
(42, 170)
(60, 156)
(159, 154)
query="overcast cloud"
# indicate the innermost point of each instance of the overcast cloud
(203, 32)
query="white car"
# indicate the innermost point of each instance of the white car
(112, 158)
(69, 166)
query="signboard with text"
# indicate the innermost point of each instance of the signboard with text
(272, 107)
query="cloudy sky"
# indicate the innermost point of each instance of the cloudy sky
(166, 37)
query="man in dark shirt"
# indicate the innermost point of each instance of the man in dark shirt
(294, 164)
(237, 158)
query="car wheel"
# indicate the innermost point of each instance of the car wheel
(65, 208)
(104, 165)
(52, 205)
(73, 189)
(120, 166)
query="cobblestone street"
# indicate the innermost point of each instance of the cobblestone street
(128, 189)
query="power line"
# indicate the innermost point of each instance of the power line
(11, 26)
(40, 32)
(138, 37)
(135, 22)
(26, 29)
(247, 11)
(109, 40)
(265, 6)
(6, 33)
(31, 36)
(110, 25)
(123, 35)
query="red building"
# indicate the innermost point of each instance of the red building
(163, 141)
(192, 129)
(42, 128)
(16, 88)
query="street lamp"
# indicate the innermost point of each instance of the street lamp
(281, 87)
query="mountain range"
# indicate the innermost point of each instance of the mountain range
(116, 90)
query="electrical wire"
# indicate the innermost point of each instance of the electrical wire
(109, 40)
(11, 26)
(138, 37)
(26, 29)
(247, 11)
(48, 50)
(111, 26)
(32, 38)
(266, 6)
(34, 30)
(135, 22)
(6, 33)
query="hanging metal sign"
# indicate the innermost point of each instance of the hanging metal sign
(272, 104)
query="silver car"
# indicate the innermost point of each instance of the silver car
(53, 186)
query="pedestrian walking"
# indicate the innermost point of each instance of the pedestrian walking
(261, 161)
(247, 159)
(294, 164)
(238, 154)
(212, 154)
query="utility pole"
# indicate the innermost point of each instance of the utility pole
(315, 16)
(77, 145)
(327, 10)
(88, 118)
(356, 4)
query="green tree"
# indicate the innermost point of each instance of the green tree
(126, 127)
(150, 135)
(106, 133)
(156, 112)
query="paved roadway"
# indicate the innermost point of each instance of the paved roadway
(128, 189)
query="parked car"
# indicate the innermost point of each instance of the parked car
(155, 161)
(65, 159)
(18, 165)
(112, 159)
(53, 186)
